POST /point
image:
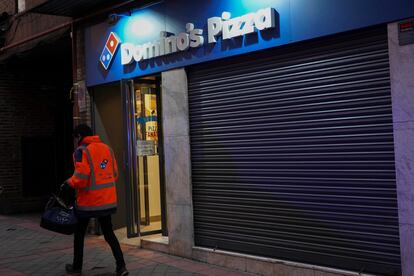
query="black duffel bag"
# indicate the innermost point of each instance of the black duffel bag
(58, 216)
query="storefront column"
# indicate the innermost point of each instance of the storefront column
(402, 90)
(177, 162)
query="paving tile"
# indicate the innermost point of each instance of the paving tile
(10, 272)
(27, 249)
(194, 267)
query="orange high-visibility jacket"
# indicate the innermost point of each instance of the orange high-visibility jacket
(95, 174)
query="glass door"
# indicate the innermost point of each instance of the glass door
(145, 189)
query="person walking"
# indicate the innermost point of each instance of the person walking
(94, 181)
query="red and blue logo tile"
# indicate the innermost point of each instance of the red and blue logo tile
(109, 50)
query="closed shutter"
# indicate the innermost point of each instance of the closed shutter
(292, 153)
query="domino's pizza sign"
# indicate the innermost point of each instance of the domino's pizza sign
(109, 50)
(225, 27)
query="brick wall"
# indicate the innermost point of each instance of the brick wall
(29, 4)
(25, 111)
(34, 101)
(7, 6)
(30, 24)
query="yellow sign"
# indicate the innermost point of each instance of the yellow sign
(151, 130)
(150, 105)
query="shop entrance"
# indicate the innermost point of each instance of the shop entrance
(145, 195)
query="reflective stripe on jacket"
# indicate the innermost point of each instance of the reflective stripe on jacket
(94, 177)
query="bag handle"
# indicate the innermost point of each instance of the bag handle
(56, 198)
(61, 202)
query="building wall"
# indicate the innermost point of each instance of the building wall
(24, 5)
(33, 87)
(8, 6)
(29, 4)
(24, 27)
(27, 25)
(25, 111)
(402, 90)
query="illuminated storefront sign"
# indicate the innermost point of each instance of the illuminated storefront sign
(224, 27)
(172, 33)
(229, 27)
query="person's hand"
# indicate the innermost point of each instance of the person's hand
(65, 185)
(62, 187)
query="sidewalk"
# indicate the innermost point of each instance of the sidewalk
(27, 249)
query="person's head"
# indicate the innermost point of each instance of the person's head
(81, 131)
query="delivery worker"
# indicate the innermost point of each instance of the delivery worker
(94, 181)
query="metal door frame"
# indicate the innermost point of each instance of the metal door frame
(131, 192)
(132, 199)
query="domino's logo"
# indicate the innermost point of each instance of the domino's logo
(109, 50)
(103, 164)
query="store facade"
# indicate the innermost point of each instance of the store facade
(266, 136)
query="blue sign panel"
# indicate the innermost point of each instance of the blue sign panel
(178, 33)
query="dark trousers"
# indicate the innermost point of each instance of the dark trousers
(110, 238)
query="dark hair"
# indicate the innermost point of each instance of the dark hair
(83, 130)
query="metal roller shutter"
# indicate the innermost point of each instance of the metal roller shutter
(292, 153)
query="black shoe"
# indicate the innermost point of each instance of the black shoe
(122, 271)
(71, 270)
